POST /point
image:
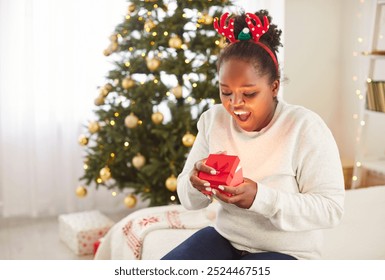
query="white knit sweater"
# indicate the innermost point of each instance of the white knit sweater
(295, 162)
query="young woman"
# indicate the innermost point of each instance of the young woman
(293, 182)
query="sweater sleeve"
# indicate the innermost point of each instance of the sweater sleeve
(191, 198)
(320, 199)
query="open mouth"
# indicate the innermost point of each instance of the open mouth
(242, 115)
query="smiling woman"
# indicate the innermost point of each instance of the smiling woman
(249, 97)
(51, 63)
(293, 184)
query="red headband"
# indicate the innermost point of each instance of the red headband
(257, 31)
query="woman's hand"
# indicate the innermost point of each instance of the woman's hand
(201, 185)
(242, 195)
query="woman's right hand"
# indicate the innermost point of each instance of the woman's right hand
(202, 185)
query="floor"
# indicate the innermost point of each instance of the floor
(36, 239)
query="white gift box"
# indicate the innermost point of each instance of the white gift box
(81, 230)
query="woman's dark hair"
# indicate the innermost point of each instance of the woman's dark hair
(250, 51)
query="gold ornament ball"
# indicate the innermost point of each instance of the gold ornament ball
(114, 38)
(188, 139)
(148, 25)
(138, 161)
(175, 42)
(207, 19)
(113, 46)
(81, 191)
(108, 87)
(103, 91)
(107, 52)
(177, 91)
(83, 140)
(153, 64)
(157, 117)
(131, 121)
(222, 43)
(93, 127)
(99, 100)
(128, 83)
(171, 183)
(130, 201)
(105, 173)
(131, 8)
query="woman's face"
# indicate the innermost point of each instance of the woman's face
(247, 96)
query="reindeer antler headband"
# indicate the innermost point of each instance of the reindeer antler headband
(257, 30)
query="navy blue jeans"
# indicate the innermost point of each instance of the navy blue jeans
(208, 244)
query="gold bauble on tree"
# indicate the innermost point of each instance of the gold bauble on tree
(222, 42)
(157, 117)
(108, 87)
(131, 121)
(83, 140)
(207, 19)
(188, 139)
(152, 63)
(105, 173)
(103, 92)
(177, 91)
(99, 100)
(113, 38)
(148, 25)
(113, 46)
(93, 127)
(131, 8)
(130, 201)
(171, 183)
(175, 42)
(138, 161)
(127, 83)
(81, 191)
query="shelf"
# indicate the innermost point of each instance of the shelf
(375, 54)
(374, 113)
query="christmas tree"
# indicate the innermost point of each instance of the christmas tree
(164, 54)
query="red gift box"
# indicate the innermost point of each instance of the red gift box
(97, 244)
(229, 171)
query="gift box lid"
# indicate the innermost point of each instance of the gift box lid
(86, 220)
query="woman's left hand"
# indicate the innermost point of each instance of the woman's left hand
(242, 195)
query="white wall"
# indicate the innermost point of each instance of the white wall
(323, 64)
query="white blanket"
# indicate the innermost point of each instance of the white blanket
(125, 240)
